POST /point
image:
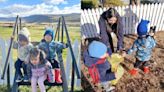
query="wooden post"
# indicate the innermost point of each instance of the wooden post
(60, 58)
(74, 64)
(9, 50)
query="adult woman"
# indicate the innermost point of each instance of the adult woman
(110, 21)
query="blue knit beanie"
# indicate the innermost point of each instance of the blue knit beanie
(142, 27)
(97, 49)
(49, 32)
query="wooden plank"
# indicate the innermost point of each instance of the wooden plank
(76, 50)
(157, 16)
(4, 53)
(89, 23)
(78, 82)
(147, 13)
(83, 28)
(92, 23)
(96, 21)
(153, 15)
(86, 27)
(11, 65)
(135, 19)
(130, 19)
(123, 19)
(68, 66)
(162, 18)
(126, 20)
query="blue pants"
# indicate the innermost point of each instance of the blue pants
(18, 65)
(141, 64)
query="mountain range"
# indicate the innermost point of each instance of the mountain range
(74, 17)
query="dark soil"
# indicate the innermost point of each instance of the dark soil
(152, 82)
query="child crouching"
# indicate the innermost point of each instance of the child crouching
(38, 69)
(95, 58)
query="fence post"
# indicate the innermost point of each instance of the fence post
(3, 46)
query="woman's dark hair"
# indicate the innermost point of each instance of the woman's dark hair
(34, 52)
(111, 12)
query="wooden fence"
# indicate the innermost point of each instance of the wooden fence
(131, 16)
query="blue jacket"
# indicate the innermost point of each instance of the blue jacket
(50, 48)
(103, 69)
(143, 48)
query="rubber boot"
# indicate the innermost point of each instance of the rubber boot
(146, 70)
(58, 76)
(133, 72)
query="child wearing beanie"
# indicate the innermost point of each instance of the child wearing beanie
(143, 46)
(24, 45)
(95, 58)
(50, 47)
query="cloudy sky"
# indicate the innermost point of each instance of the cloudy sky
(11, 8)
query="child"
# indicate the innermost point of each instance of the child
(23, 47)
(143, 47)
(39, 67)
(95, 58)
(50, 47)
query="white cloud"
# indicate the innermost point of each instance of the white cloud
(3, 0)
(43, 8)
(55, 2)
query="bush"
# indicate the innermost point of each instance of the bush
(113, 3)
(88, 4)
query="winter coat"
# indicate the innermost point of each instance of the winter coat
(105, 30)
(40, 69)
(104, 69)
(143, 48)
(23, 50)
(50, 48)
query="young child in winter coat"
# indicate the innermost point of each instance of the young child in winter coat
(50, 47)
(23, 47)
(95, 58)
(38, 69)
(143, 46)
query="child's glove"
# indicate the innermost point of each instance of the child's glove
(66, 45)
(122, 52)
(151, 34)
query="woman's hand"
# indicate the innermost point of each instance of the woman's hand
(123, 53)
(151, 34)
(105, 55)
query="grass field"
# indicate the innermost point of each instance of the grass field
(36, 35)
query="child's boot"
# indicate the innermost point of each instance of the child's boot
(133, 72)
(19, 78)
(146, 70)
(25, 78)
(58, 76)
